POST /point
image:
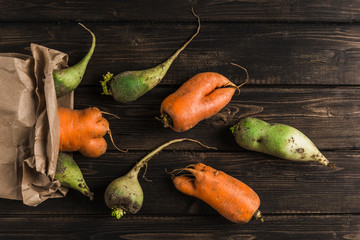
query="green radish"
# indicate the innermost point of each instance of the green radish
(67, 79)
(125, 194)
(70, 175)
(130, 85)
(278, 140)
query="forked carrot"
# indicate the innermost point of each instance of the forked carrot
(199, 98)
(83, 131)
(233, 199)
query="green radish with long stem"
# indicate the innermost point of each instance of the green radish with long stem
(70, 175)
(67, 79)
(278, 140)
(125, 194)
(130, 85)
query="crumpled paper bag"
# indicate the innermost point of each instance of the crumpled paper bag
(29, 123)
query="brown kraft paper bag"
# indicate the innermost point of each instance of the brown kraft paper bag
(29, 123)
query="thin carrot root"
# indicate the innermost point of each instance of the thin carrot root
(109, 132)
(112, 140)
(191, 170)
(111, 114)
(177, 171)
(188, 175)
(247, 77)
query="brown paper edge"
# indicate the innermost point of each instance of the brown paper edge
(38, 182)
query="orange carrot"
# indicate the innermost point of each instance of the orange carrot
(230, 197)
(83, 131)
(199, 98)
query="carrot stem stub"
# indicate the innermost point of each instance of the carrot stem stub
(232, 198)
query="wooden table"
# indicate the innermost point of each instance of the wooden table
(303, 58)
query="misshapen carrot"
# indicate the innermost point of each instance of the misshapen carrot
(233, 199)
(83, 131)
(199, 98)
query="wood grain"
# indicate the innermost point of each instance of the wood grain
(274, 54)
(284, 187)
(162, 10)
(303, 58)
(167, 227)
(328, 116)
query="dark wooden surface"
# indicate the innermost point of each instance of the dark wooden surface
(303, 58)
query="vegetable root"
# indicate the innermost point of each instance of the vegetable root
(125, 194)
(83, 131)
(130, 85)
(70, 175)
(199, 98)
(278, 140)
(233, 199)
(67, 79)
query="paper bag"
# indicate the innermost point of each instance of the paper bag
(29, 125)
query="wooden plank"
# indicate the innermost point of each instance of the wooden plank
(274, 54)
(284, 187)
(167, 227)
(303, 59)
(328, 116)
(162, 10)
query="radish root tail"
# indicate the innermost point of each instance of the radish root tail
(172, 58)
(200, 143)
(92, 34)
(144, 175)
(145, 159)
